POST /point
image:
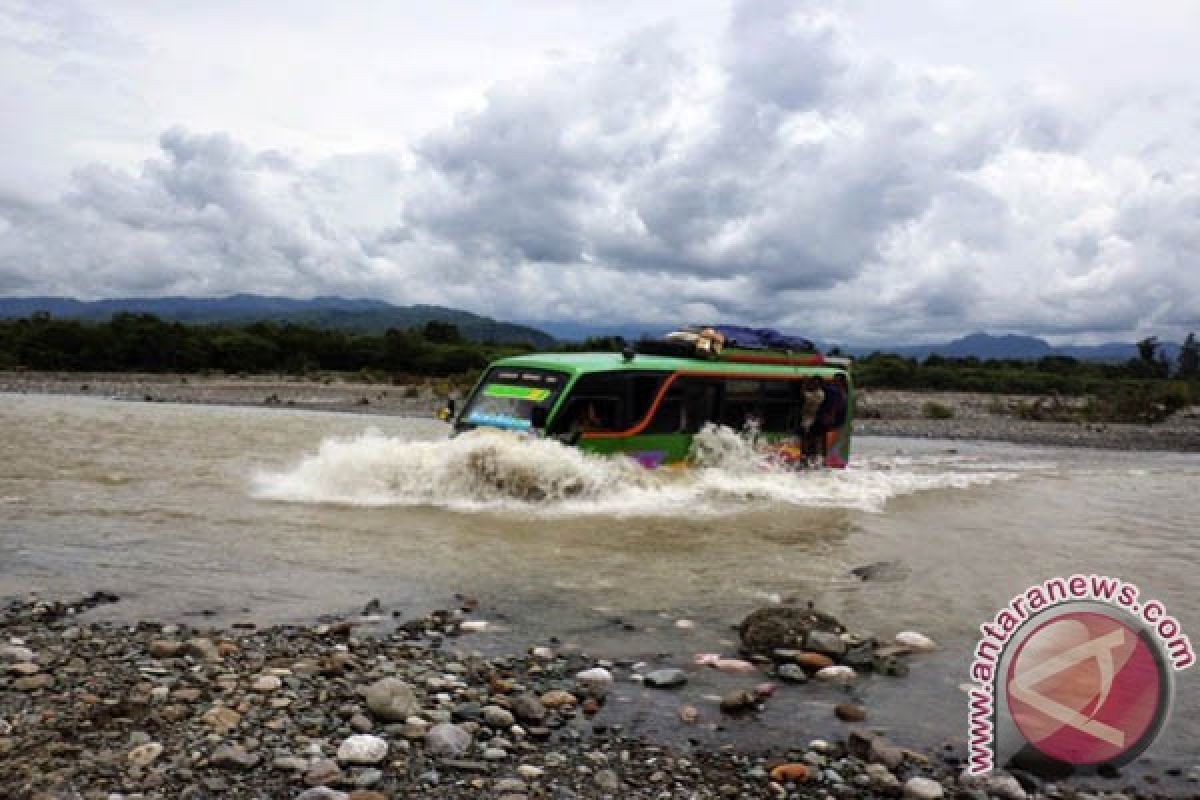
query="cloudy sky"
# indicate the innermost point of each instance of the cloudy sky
(863, 172)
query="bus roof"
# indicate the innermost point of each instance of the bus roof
(581, 363)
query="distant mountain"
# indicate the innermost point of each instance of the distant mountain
(1016, 346)
(355, 314)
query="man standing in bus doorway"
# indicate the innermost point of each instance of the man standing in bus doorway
(830, 416)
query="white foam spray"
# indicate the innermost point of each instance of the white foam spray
(491, 470)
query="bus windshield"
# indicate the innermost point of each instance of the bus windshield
(507, 396)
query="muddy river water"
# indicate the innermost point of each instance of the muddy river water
(280, 516)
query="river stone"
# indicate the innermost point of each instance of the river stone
(202, 648)
(597, 679)
(850, 712)
(738, 700)
(1005, 786)
(830, 644)
(498, 717)
(836, 674)
(511, 785)
(11, 653)
(266, 683)
(166, 648)
(792, 673)
(446, 739)
(145, 755)
(923, 789)
(323, 772)
(557, 698)
(783, 628)
(362, 748)
(607, 780)
(322, 793)
(392, 699)
(32, 683)
(530, 772)
(528, 707)
(233, 756)
(221, 719)
(665, 678)
(918, 642)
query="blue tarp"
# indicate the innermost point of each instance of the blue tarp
(761, 338)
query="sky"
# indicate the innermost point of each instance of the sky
(863, 172)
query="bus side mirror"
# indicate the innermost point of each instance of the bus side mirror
(539, 417)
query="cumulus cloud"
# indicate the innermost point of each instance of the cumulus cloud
(794, 178)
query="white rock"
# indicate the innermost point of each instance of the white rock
(362, 748)
(915, 641)
(446, 739)
(145, 754)
(597, 678)
(530, 772)
(544, 653)
(13, 653)
(685, 624)
(473, 625)
(1005, 786)
(923, 789)
(266, 683)
(835, 674)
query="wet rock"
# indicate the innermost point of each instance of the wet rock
(557, 698)
(735, 665)
(498, 717)
(446, 739)
(836, 674)
(145, 755)
(391, 700)
(850, 712)
(791, 772)
(323, 772)
(362, 748)
(528, 707)
(825, 642)
(860, 656)
(792, 673)
(814, 662)
(783, 627)
(597, 680)
(322, 793)
(665, 678)
(889, 666)
(919, 788)
(917, 642)
(881, 571)
(738, 701)
(233, 756)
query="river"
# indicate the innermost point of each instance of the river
(208, 514)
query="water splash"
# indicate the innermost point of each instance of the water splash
(500, 471)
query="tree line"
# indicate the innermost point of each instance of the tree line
(130, 342)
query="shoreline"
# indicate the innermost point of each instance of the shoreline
(880, 412)
(347, 710)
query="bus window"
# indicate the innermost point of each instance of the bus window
(783, 407)
(742, 403)
(608, 401)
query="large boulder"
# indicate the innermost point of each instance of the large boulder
(784, 628)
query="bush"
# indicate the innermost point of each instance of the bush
(932, 410)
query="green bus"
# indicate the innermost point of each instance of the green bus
(649, 407)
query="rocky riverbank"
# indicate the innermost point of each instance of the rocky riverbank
(370, 707)
(881, 412)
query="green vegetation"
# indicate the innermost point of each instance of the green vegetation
(1143, 389)
(932, 410)
(145, 343)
